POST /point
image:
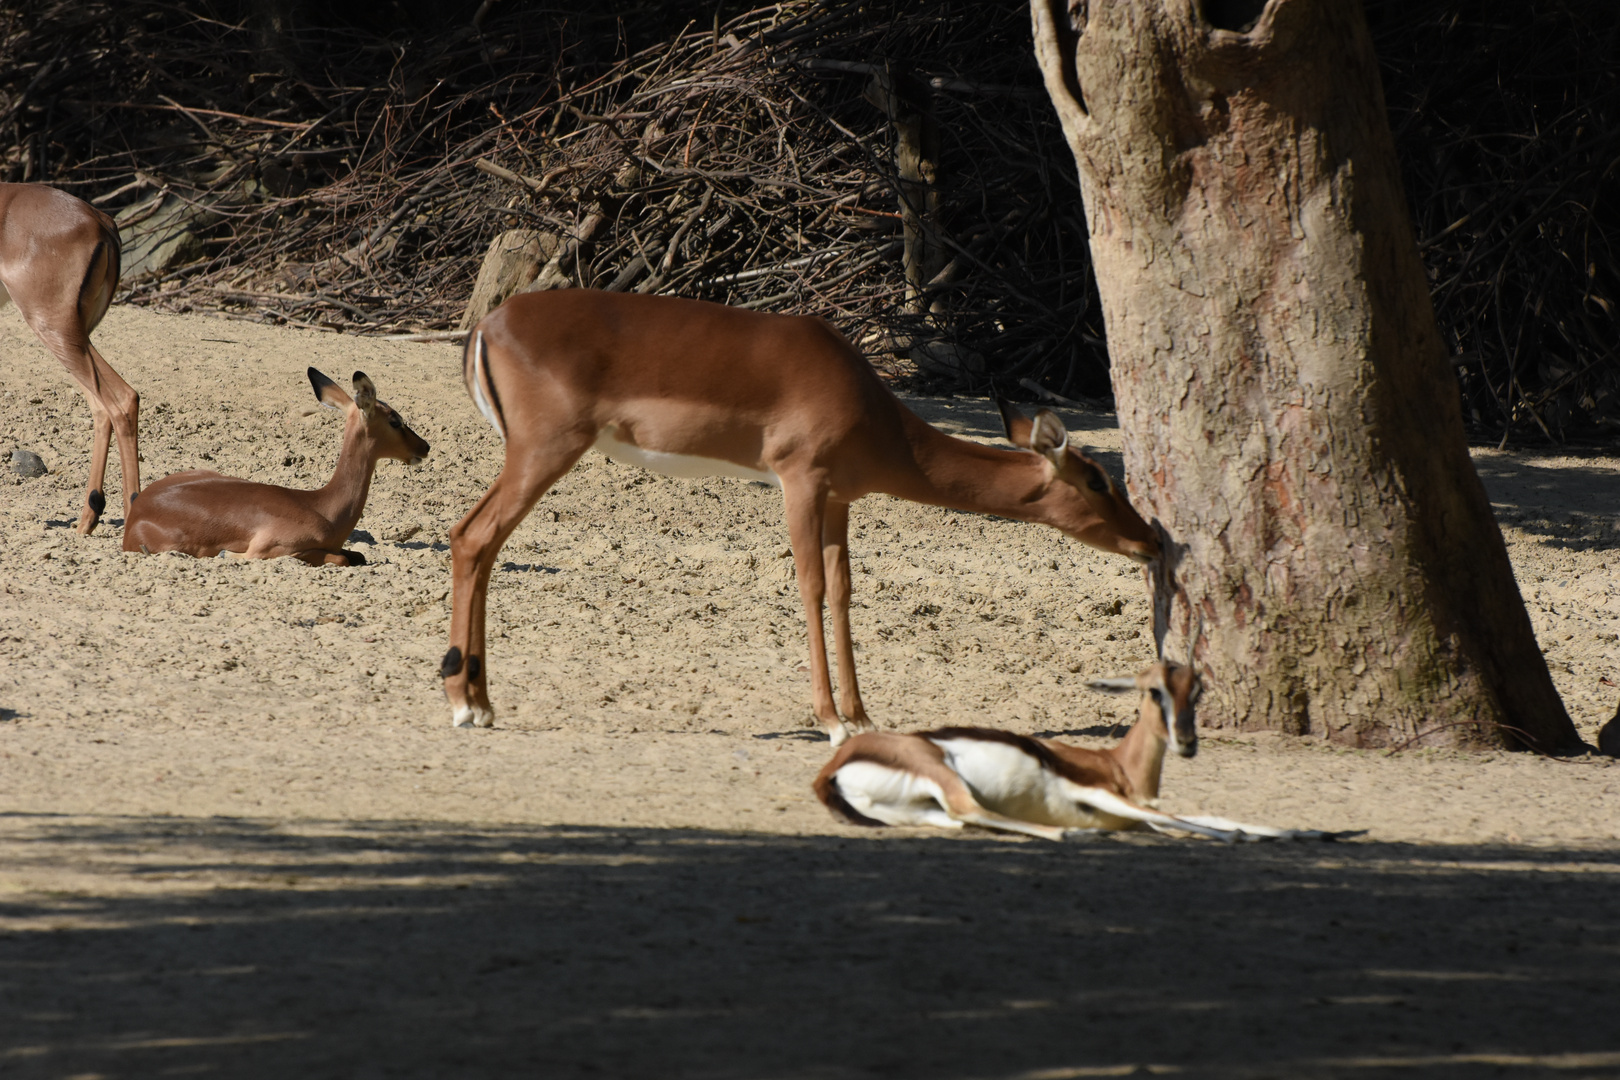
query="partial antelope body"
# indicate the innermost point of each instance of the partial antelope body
(59, 260)
(1040, 787)
(203, 513)
(695, 389)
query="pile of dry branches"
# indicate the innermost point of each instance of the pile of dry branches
(890, 164)
(357, 182)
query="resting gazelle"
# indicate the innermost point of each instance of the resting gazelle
(205, 514)
(960, 776)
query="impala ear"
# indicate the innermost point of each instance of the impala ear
(1115, 685)
(365, 395)
(1049, 437)
(1014, 423)
(327, 392)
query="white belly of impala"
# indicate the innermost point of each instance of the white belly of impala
(1010, 782)
(683, 465)
(894, 796)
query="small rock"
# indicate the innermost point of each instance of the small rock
(27, 463)
(403, 534)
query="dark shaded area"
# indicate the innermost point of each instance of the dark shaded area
(1507, 122)
(1585, 497)
(341, 193)
(1239, 16)
(382, 949)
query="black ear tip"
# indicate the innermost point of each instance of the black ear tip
(359, 375)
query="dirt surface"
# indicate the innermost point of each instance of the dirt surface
(239, 837)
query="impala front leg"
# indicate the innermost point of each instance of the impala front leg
(806, 506)
(835, 558)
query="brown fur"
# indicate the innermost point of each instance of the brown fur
(1129, 769)
(60, 260)
(203, 513)
(783, 394)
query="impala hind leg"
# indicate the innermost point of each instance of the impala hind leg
(475, 542)
(114, 409)
(806, 506)
(835, 560)
(123, 406)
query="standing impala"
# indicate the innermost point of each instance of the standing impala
(59, 260)
(696, 389)
(203, 513)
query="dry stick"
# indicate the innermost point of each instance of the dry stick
(668, 261)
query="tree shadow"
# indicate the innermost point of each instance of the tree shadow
(1570, 506)
(247, 949)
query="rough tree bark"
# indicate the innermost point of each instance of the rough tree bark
(1289, 417)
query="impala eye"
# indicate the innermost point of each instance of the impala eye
(393, 421)
(1098, 483)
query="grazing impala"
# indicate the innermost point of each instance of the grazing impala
(203, 513)
(1040, 787)
(59, 260)
(695, 389)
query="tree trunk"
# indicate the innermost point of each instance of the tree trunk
(1290, 420)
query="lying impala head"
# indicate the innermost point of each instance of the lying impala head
(1112, 522)
(1169, 702)
(390, 436)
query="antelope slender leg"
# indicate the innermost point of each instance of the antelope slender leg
(95, 499)
(123, 406)
(114, 409)
(475, 542)
(805, 500)
(835, 558)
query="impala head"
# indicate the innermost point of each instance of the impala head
(1169, 702)
(1118, 528)
(390, 435)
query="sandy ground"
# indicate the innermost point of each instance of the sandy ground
(238, 836)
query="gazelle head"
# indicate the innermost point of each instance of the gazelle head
(1117, 526)
(1169, 702)
(389, 435)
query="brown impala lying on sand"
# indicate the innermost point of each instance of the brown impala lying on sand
(688, 388)
(203, 513)
(1040, 787)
